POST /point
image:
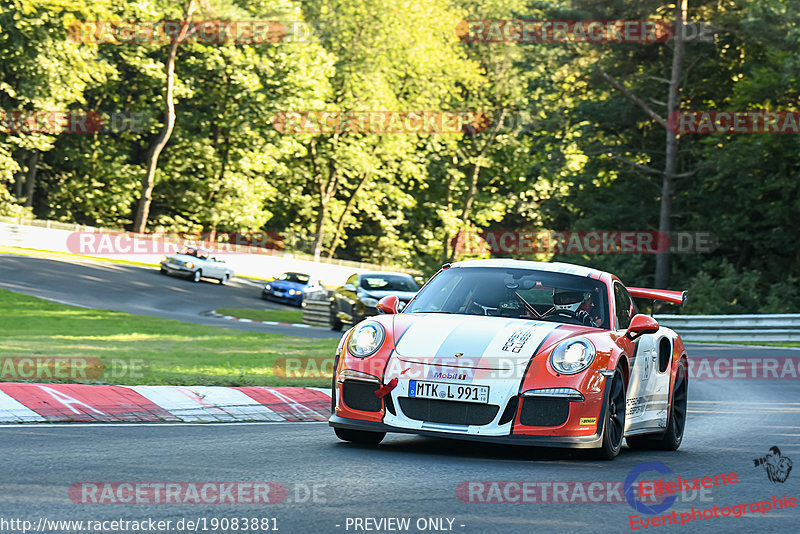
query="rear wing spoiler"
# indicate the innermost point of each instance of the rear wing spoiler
(673, 297)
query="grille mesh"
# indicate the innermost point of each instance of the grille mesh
(449, 412)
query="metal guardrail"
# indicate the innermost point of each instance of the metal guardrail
(745, 327)
(732, 328)
(317, 308)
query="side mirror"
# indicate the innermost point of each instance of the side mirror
(641, 324)
(389, 304)
(349, 287)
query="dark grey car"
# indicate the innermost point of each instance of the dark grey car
(360, 294)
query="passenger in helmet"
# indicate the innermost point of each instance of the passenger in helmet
(577, 303)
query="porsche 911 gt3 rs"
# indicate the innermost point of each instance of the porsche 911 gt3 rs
(519, 352)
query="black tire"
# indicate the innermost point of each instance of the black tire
(672, 438)
(163, 271)
(224, 279)
(614, 424)
(362, 437)
(336, 323)
(196, 276)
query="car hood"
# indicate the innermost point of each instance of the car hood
(482, 342)
(286, 284)
(404, 296)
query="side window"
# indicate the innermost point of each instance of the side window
(624, 306)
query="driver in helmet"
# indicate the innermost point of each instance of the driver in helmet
(577, 303)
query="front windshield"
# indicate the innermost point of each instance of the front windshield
(388, 282)
(517, 293)
(192, 251)
(295, 277)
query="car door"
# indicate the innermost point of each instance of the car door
(648, 385)
(211, 268)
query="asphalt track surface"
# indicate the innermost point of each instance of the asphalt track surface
(730, 423)
(141, 290)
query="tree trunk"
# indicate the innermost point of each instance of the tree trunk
(340, 224)
(30, 182)
(449, 205)
(327, 189)
(671, 163)
(143, 209)
(19, 178)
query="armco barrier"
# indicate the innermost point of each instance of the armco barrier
(317, 308)
(749, 327)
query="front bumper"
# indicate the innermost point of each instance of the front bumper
(575, 442)
(509, 425)
(177, 271)
(285, 296)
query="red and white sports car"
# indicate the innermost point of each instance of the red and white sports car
(518, 352)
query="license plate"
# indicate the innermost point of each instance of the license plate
(173, 265)
(278, 293)
(446, 391)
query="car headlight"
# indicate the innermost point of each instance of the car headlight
(190, 265)
(370, 302)
(572, 356)
(267, 287)
(163, 259)
(366, 339)
(294, 292)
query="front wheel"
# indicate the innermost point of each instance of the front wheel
(224, 279)
(196, 276)
(362, 437)
(614, 426)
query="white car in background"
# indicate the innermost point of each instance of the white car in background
(196, 263)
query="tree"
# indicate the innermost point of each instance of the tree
(148, 182)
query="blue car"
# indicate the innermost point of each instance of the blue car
(288, 288)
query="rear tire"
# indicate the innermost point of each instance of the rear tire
(676, 424)
(362, 437)
(614, 425)
(197, 276)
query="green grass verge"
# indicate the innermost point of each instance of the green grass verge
(161, 351)
(755, 343)
(281, 316)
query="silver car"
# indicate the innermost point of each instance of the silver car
(196, 263)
